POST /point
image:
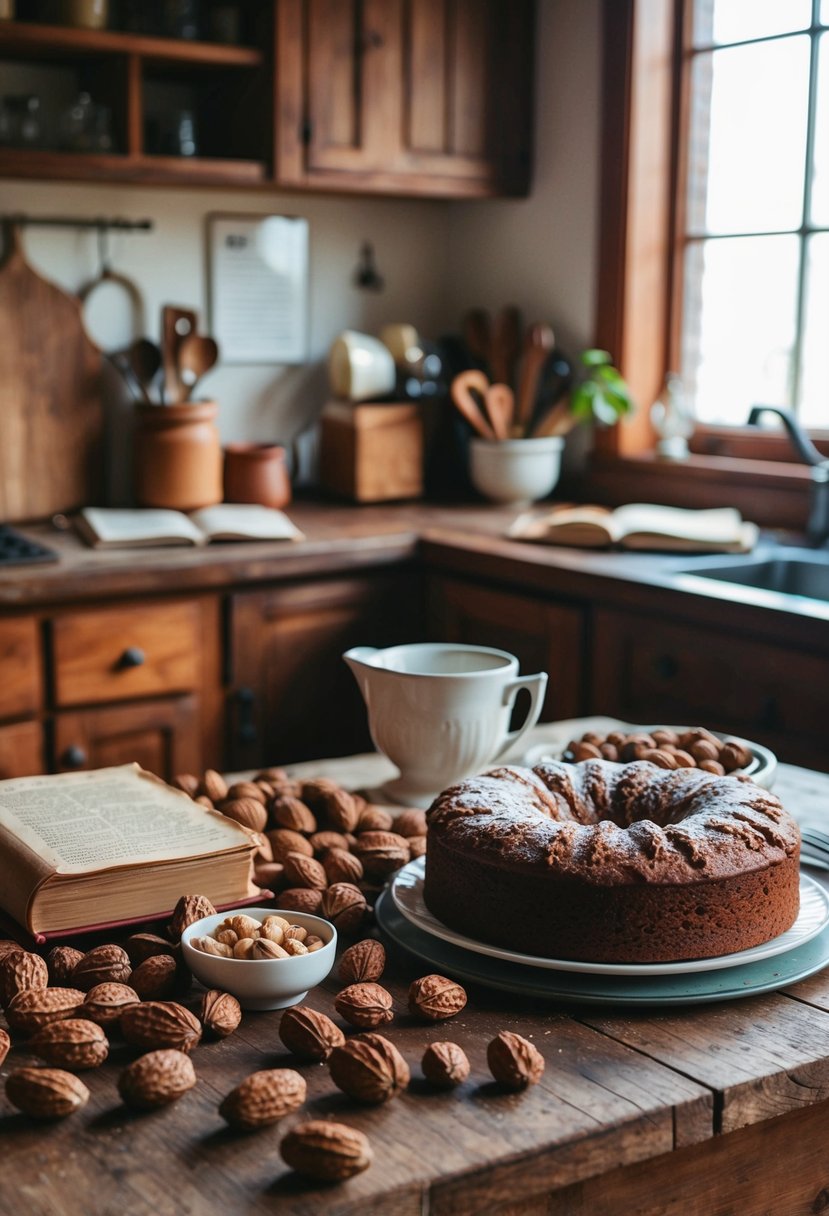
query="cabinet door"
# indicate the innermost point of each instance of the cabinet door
(20, 687)
(21, 750)
(543, 636)
(648, 671)
(161, 735)
(421, 96)
(293, 698)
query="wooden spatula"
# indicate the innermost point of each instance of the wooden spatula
(176, 325)
(463, 388)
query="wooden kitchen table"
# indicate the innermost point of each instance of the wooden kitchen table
(718, 1111)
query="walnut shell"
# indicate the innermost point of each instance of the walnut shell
(155, 978)
(302, 871)
(410, 823)
(108, 964)
(381, 852)
(513, 1061)
(284, 841)
(264, 1098)
(187, 911)
(248, 812)
(309, 1034)
(105, 1003)
(344, 905)
(20, 971)
(213, 786)
(46, 1093)
(221, 1013)
(156, 1079)
(374, 819)
(156, 1024)
(293, 814)
(7, 946)
(342, 866)
(246, 789)
(362, 963)
(321, 842)
(302, 899)
(75, 1044)
(435, 998)
(35, 1008)
(147, 945)
(61, 963)
(445, 1065)
(369, 1069)
(326, 1151)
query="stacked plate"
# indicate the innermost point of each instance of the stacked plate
(801, 951)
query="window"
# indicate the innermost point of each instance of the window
(753, 217)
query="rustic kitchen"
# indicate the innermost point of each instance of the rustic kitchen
(414, 607)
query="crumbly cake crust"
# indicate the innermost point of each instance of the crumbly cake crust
(590, 861)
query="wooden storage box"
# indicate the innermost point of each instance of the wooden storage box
(372, 453)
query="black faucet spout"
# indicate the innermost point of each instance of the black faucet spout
(817, 526)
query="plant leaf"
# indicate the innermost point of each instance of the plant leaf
(595, 358)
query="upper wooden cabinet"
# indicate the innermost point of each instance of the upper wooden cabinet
(429, 97)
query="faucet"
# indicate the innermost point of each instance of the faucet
(817, 527)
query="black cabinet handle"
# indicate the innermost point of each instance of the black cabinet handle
(74, 757)
(666, 667)
(245, 725)
(133, 656)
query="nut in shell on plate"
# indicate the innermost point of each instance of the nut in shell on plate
(264, 983)
(156, 1079)
(369, 1068)
(326, 1151)
(263, 1098)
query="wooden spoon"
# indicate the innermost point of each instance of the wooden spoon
(505, 345)
(538, 343)
(145, 360)
(196, 355)
(463, 387)
(500, 405)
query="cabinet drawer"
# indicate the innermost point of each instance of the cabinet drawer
(21, 750)
(118, 653)
(20, 665)
(162, 736)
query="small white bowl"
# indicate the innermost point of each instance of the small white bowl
(262, 983)
(515, 470)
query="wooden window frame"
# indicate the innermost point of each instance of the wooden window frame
(643, 108)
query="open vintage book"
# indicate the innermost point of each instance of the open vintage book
(113, 845)
(117, 528)
(640, 526)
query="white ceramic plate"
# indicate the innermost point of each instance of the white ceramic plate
(407, 894)
(761, 770)
(612, 991)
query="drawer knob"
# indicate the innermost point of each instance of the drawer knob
(666, 666)
(133, 656)
(74, 756)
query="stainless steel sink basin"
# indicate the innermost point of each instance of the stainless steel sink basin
(799, 572)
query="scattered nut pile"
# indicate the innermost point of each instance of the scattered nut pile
(696, 748)
(244, 937)
(324, 850)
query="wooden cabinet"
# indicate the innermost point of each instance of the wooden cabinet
(21, 749)
(545, 636)
(405, 96)
(20, 687)
(162, 736)
(292, 697)
(648, 670)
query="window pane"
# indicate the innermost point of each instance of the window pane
(718, 21)
(739, 325)
(748, 137)
(814, 387)
(820, 188)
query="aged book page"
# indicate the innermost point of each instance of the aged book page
(77, 823)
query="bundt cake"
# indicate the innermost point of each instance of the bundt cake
(607, 864)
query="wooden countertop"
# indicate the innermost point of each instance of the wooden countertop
(709, 1112)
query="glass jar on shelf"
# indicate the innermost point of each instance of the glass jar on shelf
(673, 420)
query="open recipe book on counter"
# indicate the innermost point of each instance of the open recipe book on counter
(113, 846)
(641, 526)
(117, 528)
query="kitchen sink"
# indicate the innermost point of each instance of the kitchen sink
(801, 572)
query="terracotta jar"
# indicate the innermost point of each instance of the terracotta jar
(178, 456)
(257, 472)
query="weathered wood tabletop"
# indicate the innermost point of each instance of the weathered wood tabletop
(717, 1111)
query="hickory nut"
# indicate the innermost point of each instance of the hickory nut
(381, 852)
(19, 971)
(249, 812)
(326, 1151)
(155, 978)
(410, 823)
(302, 899)
(444, 1065)
(189, 909)
(342, 866)
(362, 963)
(263, 1098)
(102, 965)
(321, 842)
(106, 1002)
(74, 1044)
(46, 1093)
(284, 841)
(513, 1061)
(29, 1011)
(434, 997)
(309, 1034)
(157, 1024)
(374, 819)
(221, 1013)
(344, 905)
(147, 945)
(364, 1005)
(302, 871)
(156, 1079)
(369, 1069)
(62, 961)
(213, 786)
(291, 813)
(341, 809)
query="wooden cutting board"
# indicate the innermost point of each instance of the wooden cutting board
(51, 412)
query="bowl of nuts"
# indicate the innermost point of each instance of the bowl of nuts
(265, 957)
(668, 747)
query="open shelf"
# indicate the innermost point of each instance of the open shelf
(65, 42)
(153, 170)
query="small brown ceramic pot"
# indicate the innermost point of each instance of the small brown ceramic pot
(178, 456)
(257, 472)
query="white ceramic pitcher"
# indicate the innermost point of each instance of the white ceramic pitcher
(440, 711)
